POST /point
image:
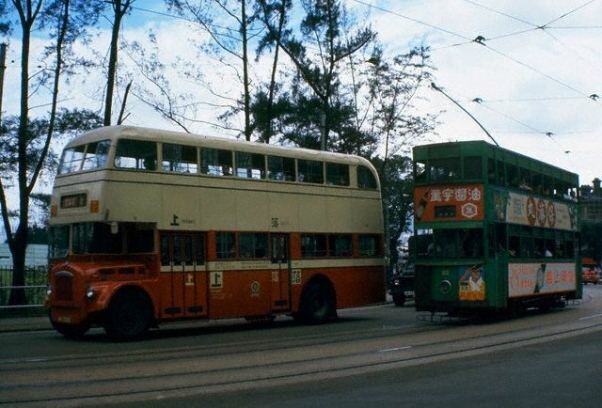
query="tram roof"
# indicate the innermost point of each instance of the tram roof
(483, 148)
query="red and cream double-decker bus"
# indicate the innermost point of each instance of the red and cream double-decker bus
(149, 226)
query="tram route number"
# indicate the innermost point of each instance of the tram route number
(216, 279)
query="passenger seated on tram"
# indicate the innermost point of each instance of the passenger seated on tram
(524, 185)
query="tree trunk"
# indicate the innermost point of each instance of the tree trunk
(113, 63)
(18, 247)
(245, 65)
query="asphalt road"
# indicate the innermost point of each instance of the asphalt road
(379, 355)
(563, 373)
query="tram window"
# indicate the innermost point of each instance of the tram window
(514, 246)
(313, 245)
(500, 175)
(71, 160)
(472, 243)
(178, 158)
(525, 179)
(491, 170)
(420, 171)
(311, 171)
(473, 168)
(444, 169)
(365, 178)
(250, 165)
(337, 174)
(225, 245)
(216, 162)
(339, 245)
(136, 154)
(253, 245)
(96, 155)
(281, 168)
(512, 176)
(537, 182)
(368, 245)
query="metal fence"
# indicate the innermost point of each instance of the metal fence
(36, 281)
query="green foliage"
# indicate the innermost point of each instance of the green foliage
(68, 124)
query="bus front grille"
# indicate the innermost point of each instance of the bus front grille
(64, 286)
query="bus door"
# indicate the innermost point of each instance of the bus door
(183, 274)
(281, 274)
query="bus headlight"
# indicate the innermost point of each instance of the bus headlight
(90, 294)
(48, 292)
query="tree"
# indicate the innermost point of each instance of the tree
(327, 41)
(231, 40)
(29, 140)
(120, 9)
(392, 86)
(263, 108)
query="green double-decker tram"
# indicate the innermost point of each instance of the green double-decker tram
(493, 230)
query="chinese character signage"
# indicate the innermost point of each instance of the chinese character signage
(527, 279)
(468, 201)
(534, 211)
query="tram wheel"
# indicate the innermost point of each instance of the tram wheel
(317, 304)
(129, 315)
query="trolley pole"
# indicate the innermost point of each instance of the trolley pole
(436, 88)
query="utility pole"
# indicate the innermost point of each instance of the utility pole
(2, 69)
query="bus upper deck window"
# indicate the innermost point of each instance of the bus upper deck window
(250, 165)
(337, 174)
(179, 158)
(281, 168)
(216, 162)
(72, 159)
(136, 154)
(96, 155)
(365, 179)
(311, 171)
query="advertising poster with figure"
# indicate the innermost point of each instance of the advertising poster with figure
(527, 279)
(472, 284)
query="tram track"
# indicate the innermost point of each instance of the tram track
(201, 374)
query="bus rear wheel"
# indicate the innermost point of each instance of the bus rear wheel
(129, 315)
(317, 304)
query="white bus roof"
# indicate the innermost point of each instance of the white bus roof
(160, 135)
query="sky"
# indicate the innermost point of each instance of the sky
(529, 71)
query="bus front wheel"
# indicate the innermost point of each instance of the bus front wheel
(317, 304)
(71, 331)
(129, 315)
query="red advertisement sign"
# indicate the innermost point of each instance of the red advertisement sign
(449, 203)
